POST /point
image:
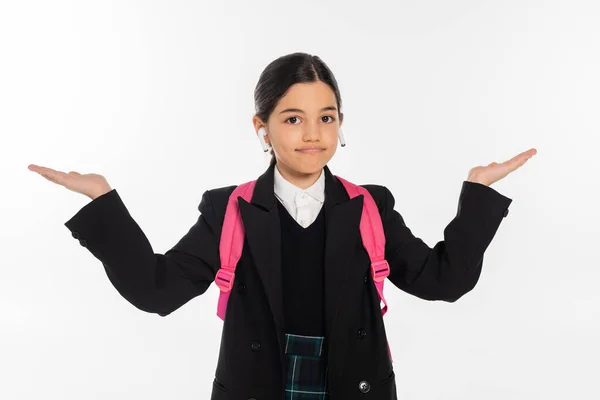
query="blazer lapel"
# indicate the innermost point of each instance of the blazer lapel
(342, 221)
(263, 232)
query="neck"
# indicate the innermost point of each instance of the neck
(299, 179)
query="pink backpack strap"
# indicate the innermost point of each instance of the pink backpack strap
(232, 241)
(373, 238)
(231, 244)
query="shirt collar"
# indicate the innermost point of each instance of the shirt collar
(287, 190)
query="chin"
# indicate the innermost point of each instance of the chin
(304, 166)
(310, 166)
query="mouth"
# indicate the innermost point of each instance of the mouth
(310, 150)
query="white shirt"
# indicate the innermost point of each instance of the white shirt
(303, 205)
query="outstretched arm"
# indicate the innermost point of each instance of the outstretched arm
(156, 283)
(453, 266)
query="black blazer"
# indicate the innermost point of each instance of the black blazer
(251, 359)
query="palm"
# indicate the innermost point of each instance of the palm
(493, 172)
(90, 185)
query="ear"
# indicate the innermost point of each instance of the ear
(341, 119)
(257, 122)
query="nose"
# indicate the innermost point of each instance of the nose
(312, 133)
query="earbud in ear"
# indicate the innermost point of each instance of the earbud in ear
(262, 132)
(342, 139)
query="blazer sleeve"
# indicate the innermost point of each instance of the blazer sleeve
(453, 266)
(153, 282)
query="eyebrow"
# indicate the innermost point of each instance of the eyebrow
(330, 108)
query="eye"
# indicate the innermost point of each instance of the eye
(294, 118)
(290, 118)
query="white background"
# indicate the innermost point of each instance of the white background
(157, 96)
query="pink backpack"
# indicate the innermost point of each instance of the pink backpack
(232, 241)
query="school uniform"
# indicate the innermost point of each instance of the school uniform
(303, 205)
(303, 249)
(253, 362)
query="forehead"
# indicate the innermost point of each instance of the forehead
(309, 96)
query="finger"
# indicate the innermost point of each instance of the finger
(526, 154)
(49, 172)
(520, 159)
(519, 163)
(57, 177)
(39, 169)
(49, 177)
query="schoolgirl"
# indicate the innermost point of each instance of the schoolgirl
(303, 319)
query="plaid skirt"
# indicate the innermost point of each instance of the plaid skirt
(307, 368)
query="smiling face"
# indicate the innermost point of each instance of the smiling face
(303, 130)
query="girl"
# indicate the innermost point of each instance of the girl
(303, 319)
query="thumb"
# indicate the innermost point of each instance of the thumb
(74, 173)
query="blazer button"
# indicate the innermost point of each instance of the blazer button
(83, 242)
(242, 288)
(366, 278)
(362, 333)
(364, 386)
(255, 346)
(506, 212)
(75, 235)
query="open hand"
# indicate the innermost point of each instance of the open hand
(493, 172)
(91, 185)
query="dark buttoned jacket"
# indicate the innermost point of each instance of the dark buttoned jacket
(251, 358)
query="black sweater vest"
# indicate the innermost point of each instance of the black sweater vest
(303, 252)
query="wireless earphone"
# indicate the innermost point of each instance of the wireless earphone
(261, 136)
(342, 139)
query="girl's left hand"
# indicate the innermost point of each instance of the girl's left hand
(494, 171)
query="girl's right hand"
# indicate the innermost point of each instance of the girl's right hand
(91, 185)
